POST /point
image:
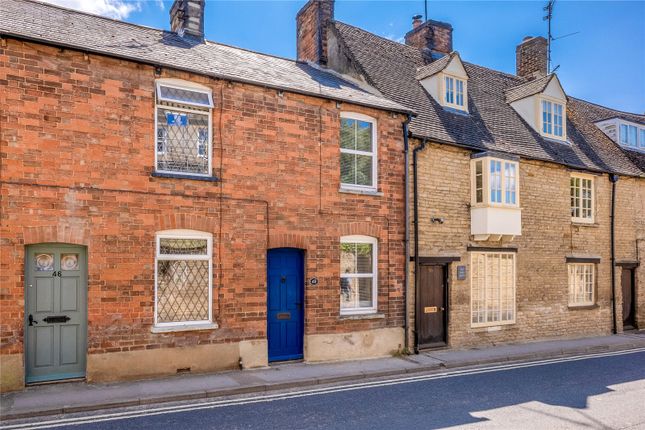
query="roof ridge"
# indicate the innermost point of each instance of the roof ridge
(606, 107)
(145, 27)
(549, 76)
(376, 35)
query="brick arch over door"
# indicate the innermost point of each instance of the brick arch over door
(78, 235)
(288, 240)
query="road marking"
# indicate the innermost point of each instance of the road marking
(303, 393)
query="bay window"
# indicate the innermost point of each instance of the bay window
(495, 181)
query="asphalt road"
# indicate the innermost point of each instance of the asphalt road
(600, 392)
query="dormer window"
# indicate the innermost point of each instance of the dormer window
(454, 92)
(446, 81)
(629, 136)
(552, 119)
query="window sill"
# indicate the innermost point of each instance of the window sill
(183, 176)
(371, 316)
(187, 327)
(577, 223)
(362, 192)
(582, 307)
(492, 327)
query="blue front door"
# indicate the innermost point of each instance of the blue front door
(285, 302)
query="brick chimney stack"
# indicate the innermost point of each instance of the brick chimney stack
(312, 22)
(187, 18)
(531, 57)
(432, 35)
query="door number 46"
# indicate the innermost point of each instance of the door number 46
(55, 273)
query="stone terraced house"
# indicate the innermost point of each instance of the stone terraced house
(521, 202)
(171, 204)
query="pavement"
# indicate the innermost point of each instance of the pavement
(74, 397)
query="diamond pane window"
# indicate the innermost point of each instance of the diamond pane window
(184, 96)
(358, 273)
(183, 278)
(357, 152)
(183, 130)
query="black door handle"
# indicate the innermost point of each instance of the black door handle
(31, 320)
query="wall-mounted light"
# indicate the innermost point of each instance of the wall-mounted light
(437, 220)
(157, 70)
(280, 93)
(338, 105)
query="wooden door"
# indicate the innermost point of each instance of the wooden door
(55, 312)
(432, 306)
(629, 296)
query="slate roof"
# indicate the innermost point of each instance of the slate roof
(528, 89)
(491, 125)
(58, 26)
(434, 67)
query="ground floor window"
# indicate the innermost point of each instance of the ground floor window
(581, 284)
(492, 288)
(358, 273)
(183, 278)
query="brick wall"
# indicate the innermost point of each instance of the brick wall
(311, 30)
(77, 151)
(531, 57)
(548, 236)
(434, 35)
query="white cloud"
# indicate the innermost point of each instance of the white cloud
(118, 9)
(395, 38)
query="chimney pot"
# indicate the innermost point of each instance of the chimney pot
(432, 35)
(416, 21)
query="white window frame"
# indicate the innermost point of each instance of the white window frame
(374, 275)
(161, 103)
(573, 283)
(486, 182)
(373, 153)
(639, 143)
(473, 256)
(580, 219)
(540, 121)
(444, 92)
(185, 234)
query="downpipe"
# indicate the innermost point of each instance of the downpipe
(416, 232)
(406, 283)
(613, 178)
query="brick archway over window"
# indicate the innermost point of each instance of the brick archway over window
(288, 240)
(186, 221)
(362, 228)
(79, 235)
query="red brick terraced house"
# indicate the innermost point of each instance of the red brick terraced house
(527, 219)
(171, 204)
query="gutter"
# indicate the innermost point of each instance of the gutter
(613, 178)
(406, 282)
(416, 233)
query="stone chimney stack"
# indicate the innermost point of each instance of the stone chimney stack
(531, 57)
(187, 18)
(312, 22)
(432, 35)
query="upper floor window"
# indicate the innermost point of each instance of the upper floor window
(183, 122)
(632, 136)
(553, 119)
(495, 181)
(454, 92)
(183, 278)
(358, 155)
(582, 198)
(358, 274)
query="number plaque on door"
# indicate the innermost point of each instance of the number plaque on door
(429, 309)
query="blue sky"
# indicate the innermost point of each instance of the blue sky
(603, 63)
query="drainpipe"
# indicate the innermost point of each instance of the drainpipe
(416, 233)
(613, 178)
(406, 283)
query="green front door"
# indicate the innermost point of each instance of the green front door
(55, 312)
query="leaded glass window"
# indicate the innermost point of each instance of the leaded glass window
(183, 121)
(358, 274)
(357, 152)
(183, 278)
